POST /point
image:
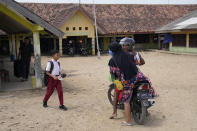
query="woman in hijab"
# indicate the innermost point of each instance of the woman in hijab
(122, 66)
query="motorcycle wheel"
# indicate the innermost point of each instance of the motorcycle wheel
(111, 96)
(139, 112)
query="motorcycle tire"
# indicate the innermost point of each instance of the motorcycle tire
(139, 113)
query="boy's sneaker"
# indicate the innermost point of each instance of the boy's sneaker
(45, 104)
(62, 107)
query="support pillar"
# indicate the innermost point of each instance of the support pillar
(14, 46)
(150, 39)
(93, 46)
(133, 36)
(170, 46)
(54, 43)
(0, 84)
(38, 70)
(187, 40)
(10, 44)
(60, 47)
(114, 39)
(17, 44)
(159, 42)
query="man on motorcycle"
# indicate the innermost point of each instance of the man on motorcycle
(127, 73)
(128, 45)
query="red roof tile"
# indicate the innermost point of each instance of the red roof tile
(121, 19)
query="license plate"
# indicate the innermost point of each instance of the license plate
(145, 103)
(144, 95)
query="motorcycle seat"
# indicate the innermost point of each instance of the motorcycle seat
(142, 82)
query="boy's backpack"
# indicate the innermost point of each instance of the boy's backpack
(46, 77)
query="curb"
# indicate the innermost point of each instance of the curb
(174, 53)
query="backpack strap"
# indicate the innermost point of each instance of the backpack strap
(52, 66)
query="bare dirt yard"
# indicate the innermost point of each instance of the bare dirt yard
(85, 94)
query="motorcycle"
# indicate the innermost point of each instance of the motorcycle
(141, 100)
(83, 52)
(71, 51)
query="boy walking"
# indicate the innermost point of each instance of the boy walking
(53, 70)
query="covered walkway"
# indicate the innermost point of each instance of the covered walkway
(18, 22)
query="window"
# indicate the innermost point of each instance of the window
(80, 28)
(67, 28)
(86, 28)
(74, 28)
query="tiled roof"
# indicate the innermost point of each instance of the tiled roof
(187, 22)
(120, 19)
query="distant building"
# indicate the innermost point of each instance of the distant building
(183, 32)
(114, 22)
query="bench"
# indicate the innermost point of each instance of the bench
(4, 75)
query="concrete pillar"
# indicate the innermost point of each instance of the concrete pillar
(150, 39)
(60, 47)
(133, 36)
(37, 54)
(17, 44)
(14, 46)
(159, 41)
(10, 44)
(0, 84)
(93, 46)
(170, 46)
(54, 43)
(187, 40)
(114, 38)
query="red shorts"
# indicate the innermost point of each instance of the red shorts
(118, 91)
(120, 94)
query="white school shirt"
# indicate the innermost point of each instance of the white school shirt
(56, 68)
(137, 57)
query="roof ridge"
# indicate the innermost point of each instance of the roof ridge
(108, 4)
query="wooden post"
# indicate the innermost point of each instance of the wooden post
(60, 47)
(38, 70)
(93, 46)
(54, 43)
(187, 40)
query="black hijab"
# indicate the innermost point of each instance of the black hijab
(124, 61)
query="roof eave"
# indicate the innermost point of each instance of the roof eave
(166, 31)
(33, 17)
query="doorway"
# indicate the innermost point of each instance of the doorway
(76, 43)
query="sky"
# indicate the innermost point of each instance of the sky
(115, 1)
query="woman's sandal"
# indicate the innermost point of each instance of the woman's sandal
(124, 123)
(113, 116)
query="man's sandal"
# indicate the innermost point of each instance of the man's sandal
(113, 116)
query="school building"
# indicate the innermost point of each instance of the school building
(113, 22)
(183, 33)
(60, 26)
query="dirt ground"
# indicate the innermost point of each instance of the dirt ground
(85, 94)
